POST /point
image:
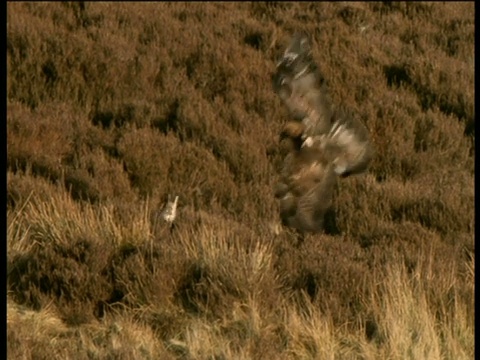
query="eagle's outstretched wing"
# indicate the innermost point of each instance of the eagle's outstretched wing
(300, 85)
(347, 145)
(327, 140)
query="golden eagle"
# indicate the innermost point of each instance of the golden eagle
(327, 142)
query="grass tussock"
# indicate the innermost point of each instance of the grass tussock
(111, 107)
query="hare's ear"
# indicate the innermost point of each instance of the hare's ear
(177, 200)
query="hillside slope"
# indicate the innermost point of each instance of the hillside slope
(113, 106)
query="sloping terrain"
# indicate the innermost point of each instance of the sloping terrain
(113, 106)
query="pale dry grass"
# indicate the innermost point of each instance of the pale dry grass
(238, 290)
(43, 333)
(408, 321)
(61, 219)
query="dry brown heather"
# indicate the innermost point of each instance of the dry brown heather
(112, 106)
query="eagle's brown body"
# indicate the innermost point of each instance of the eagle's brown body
(327, 141)
(305, 187)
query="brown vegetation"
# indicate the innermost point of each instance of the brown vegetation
(113, 106)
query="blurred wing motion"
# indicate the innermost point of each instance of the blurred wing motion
(347, 144)
(330, 142)
(301, 87)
